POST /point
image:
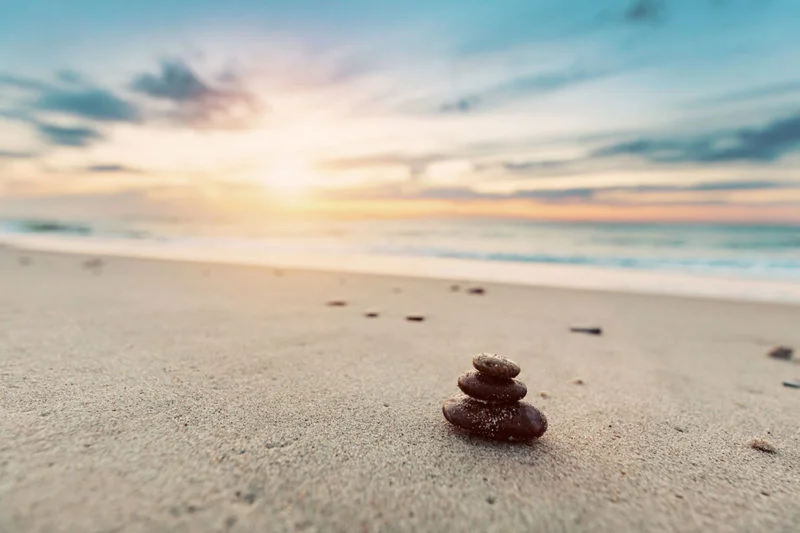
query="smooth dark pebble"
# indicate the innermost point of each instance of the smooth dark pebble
(337, 303)
(415, 318)
(476, 290)
(482, 387)
(792, 384)
(781, 352)
(490, 500)
(372, 314)
(579, 381)
(519, 421)
(495, 366)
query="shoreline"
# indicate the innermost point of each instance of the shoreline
(576, 277)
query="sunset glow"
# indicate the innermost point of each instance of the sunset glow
(474, 114)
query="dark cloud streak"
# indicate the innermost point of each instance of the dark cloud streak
(766, 144)
(94, 104)
(198, 104)
(12, 154)
(68, 136)
(112, 169)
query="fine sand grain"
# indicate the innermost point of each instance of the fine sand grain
(157, 396)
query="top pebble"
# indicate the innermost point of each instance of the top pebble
(495, 366)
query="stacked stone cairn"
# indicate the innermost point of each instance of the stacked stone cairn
(493, 409)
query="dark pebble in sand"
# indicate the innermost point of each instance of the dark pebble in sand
(415, 318)
(476, 290)
(792, 384)
(337, 303)
(495, 366)
(372, 314)
(588, 331)
(482, 387)
(93, 263)
(781, 352)
(519, 421)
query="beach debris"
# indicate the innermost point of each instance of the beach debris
(476, 290)
(763, 446)
(415, 318)
(578, 381)
(372, 314)
(588, 331)
(792, 384)
(493, 408)
(95, 263)
(337, 303)
(24, 260)
(781, 352)
(455, 288)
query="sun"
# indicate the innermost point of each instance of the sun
(289, 179)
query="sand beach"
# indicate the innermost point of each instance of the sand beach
(145, 395)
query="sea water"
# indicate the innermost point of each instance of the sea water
(680, 258)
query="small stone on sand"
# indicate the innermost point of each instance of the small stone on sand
(588, 331)
(578, 381)
(94, 263)
(517, 421)
(337, 303)
(489, 389)
(372, 314)
(763, 446)
(781, 352)
(495, 366)
(792, 384)
(415, 318)
(544, 394)
(476, 290)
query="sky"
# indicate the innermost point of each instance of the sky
(576, 109)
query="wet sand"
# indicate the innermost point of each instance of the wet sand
(148, 395)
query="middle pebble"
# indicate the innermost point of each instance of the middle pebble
(482, 387)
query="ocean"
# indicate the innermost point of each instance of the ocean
(752, 258)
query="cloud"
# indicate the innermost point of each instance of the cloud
(539, 83)
(462, 105)
(416, 164)
(11, 154)
(112, 168)
(756, 93)
(66, 136)
(176, 82)
(765, 144)
(26, 84)
(570, 194)
(196, 102)
(95, 104)
(645, 11)
(70, 76)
